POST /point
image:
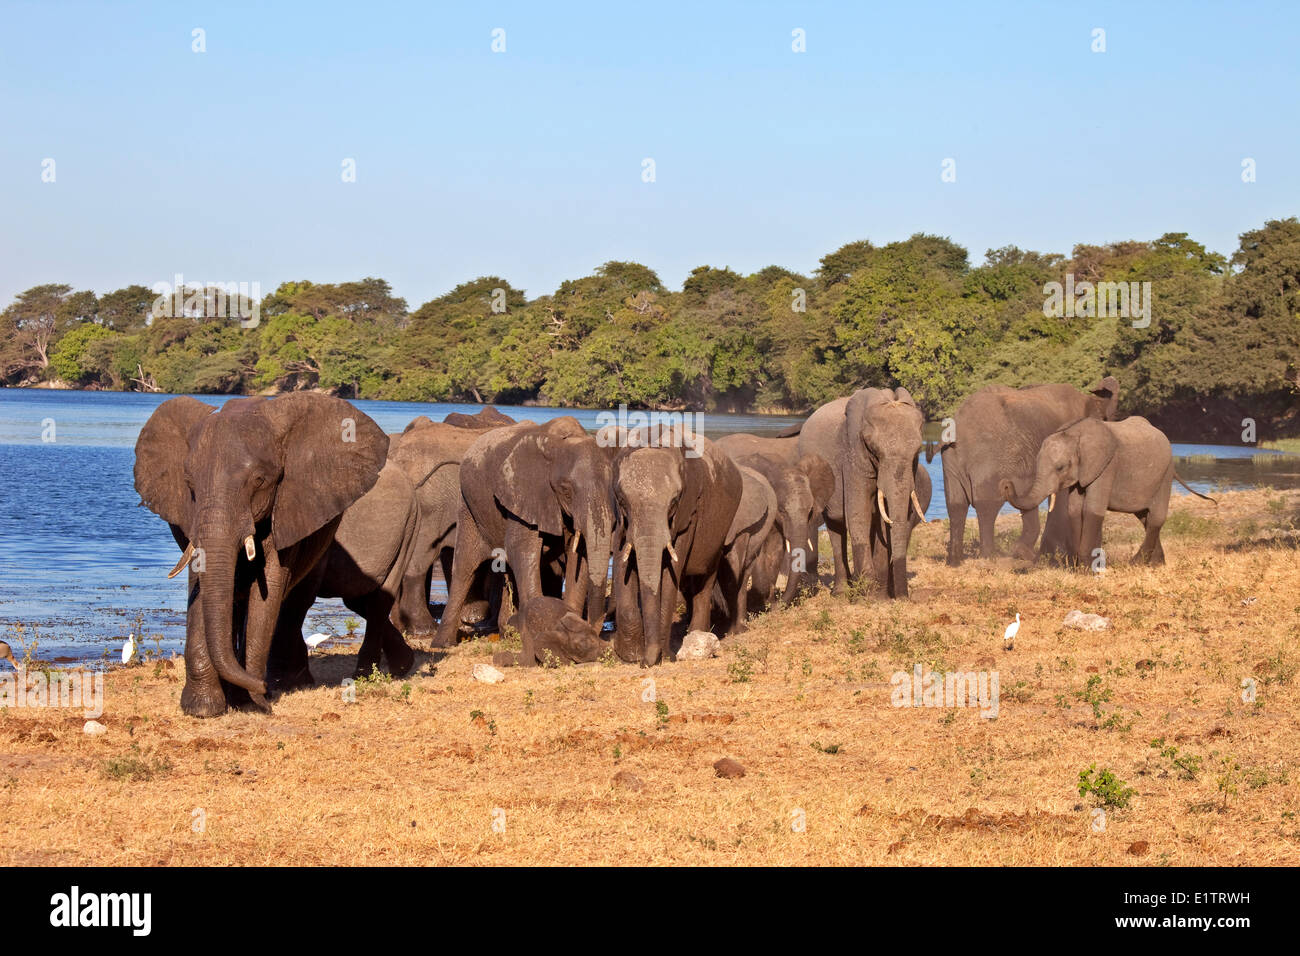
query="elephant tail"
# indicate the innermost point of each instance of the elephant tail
(1193, 490)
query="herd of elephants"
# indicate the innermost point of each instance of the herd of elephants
(276, 502)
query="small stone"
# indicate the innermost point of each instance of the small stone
(628, 781)
(94, 728)
(698, 646)
(728, 769)
(487, 674)
(1139, 848)
(1086, 622)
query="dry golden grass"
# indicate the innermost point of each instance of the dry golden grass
(414, 777)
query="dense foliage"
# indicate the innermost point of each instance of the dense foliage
(1223, 340)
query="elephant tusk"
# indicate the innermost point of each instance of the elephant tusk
(1051, 501)
(574, 547)
(250, 548)
(185, 560)
(672, 553)
(627, 549)
(920, 512)
(880, 503)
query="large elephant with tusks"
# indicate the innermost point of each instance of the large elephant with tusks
(872, 441)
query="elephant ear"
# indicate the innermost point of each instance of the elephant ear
(160, 454)
(331, 454)
(524, 478)
(903, 395)
(821, 479)
(1097, 446)
(857, 421)
(752, 509)
(1106, 395)
(697, 474)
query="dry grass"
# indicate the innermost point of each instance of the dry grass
(802, 700)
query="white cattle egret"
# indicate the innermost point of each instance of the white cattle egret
(1009, 635)
(316, 640)
(130, 649)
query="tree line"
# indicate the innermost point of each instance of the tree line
(1221, 341)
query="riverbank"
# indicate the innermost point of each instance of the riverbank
(574, 765)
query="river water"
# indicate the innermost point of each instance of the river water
(81, 565)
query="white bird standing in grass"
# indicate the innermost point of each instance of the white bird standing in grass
(1009, 635)
(315, 641)
(129, 649)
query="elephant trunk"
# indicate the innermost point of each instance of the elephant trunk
(217, 538)
(897, 506)
(1043, 486)
(599, 542)
(797, 536)
(650, 550)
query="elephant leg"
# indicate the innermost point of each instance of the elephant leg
(415, 600)
(986, 513)
(957, 508)
(699, 603)
(1057, 541)
(668, 597)
(510, 601)
(741, 610)
(397, 652)
(575, 581)
(837, 536)
(1029, 528)
(287, 667)
(956, 532)
(202, 695)
(1090, 536)
(524, 553)
(1150, 552)
(628, 634)
(381, 639)
(264, 605)
(472, 549)
(880, 571)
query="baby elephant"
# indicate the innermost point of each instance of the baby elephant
(1122, 466)
(551, 632)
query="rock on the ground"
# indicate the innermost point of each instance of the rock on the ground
(487, 674)
(94, 728)
(728, 768)
(1086, 622)
(697, 646)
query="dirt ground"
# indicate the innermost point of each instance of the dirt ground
(1187, 708)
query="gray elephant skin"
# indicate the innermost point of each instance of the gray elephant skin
(253, 493)
(872, 441)
(996, 435)
(751, 525)
(803, 488)
(552, 633)
(1125, 466)
(430, 453)
(676, 495)
(542, 494)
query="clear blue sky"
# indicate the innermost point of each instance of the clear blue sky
(226, 165)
